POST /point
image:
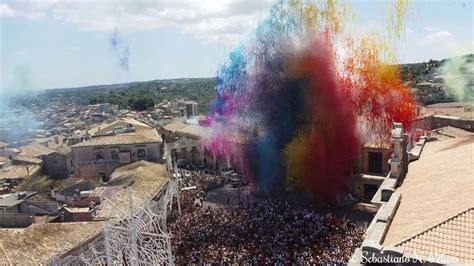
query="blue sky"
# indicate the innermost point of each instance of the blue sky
(54, 44)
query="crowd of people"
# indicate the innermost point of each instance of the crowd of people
(264, 232)
(186, 166)
(201, 179)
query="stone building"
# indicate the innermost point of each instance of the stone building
(107, 146)
(425, 214)
(100, 156)
(55, 162)
(184, 109)
(55, 165)
(373, 163)
(182, 141)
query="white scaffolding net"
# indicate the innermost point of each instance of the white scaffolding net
(134, 236)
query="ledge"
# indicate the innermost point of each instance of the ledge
(393, 251)
(416, 151)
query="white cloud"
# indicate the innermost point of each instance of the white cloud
(442, 44)
(224, 20)
(439, 37)
(428, 29)
(6, 11)
(26, 9)
(409, 31)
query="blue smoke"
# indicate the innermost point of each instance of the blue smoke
(121, 50)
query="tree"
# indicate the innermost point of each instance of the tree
(93, 101)
(141, 103)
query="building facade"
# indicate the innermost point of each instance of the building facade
(102, 155)
(373, 166)
(55, 165)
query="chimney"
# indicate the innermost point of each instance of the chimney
(56, 139)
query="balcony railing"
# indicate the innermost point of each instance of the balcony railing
(98, 162)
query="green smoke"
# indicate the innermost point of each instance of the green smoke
(458, 74)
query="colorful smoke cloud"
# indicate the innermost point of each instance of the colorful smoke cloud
(121, 50)
(290, 107)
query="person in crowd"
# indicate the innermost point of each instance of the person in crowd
(270, 232)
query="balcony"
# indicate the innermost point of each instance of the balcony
(98, 162)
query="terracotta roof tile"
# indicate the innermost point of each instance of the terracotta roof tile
(19, 171)
(146, 179)
(38, 243)
(116, 140)
(453, 237)
(141, 128)
(438, 186)
(28, 159)
(35, 150)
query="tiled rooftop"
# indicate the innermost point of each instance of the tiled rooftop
(191, 129)
(115, 140)
(451, 132)
(61, 148)
(36, 244)
(35, 150)
(146, 179)
(103, 192)
(19, 171)
(453, 237)
(141, 128)
(28, 159)
(196, 130)
(437, 187)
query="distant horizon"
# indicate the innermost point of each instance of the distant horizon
(165, 79)
(126, 82)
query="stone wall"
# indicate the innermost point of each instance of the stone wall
(55, 165)
(16, 220)
(437, 121)
(387, 199)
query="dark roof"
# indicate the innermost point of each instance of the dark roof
(15, 199)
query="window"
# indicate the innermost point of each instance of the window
(99, 154)
(103, 177)
(369, 191)
(375, 162)
(141, 153)
(114, 155)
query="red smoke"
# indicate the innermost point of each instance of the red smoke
(330, 141)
